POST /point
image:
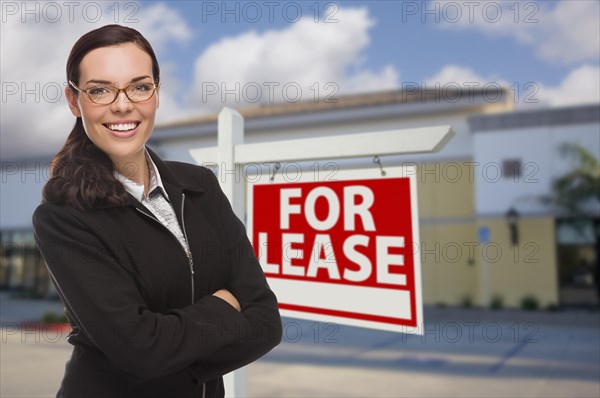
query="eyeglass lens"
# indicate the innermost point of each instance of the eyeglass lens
(106, 94)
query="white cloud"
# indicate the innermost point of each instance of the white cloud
(170, 107)
(463, 76)
(567, 31)
(367, 80)
(162, 26)
(295, 63)
(580, 86)
(572, 32)
(33, 55)
(319, 59)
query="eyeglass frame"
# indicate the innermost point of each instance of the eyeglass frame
(119, 90)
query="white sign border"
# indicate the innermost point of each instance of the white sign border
(349, 175)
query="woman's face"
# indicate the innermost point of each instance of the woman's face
(122, 128)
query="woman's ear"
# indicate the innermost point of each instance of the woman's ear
(72, 100)
(157, 96)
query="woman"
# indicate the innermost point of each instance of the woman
(159, 281)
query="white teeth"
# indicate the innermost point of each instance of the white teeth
(122, 126)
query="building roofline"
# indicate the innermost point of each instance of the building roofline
(577, 114)
(347, 108)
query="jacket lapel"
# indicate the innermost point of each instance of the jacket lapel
(175, 185)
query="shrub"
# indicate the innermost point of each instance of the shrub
(497, 302)
(529, 303)
(51, 317)
(466, 301)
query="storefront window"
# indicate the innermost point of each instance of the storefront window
(22, 269)
(577, 262)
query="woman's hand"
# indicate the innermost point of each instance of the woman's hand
(227, 296)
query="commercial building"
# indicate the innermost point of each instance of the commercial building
(499, 159)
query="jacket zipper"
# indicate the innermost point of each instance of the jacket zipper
(188, 253)
(191, 261)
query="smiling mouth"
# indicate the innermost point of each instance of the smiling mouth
(122, 127)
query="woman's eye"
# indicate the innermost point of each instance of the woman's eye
(98, 90)
(142, 87)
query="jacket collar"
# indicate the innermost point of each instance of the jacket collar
(136, 189)
(183, 182)
(174, 184)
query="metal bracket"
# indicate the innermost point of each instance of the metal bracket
(377, 161)
(275, 169)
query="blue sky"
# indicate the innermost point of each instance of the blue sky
(358, 46)
(400, 37)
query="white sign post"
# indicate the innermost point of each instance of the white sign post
(232, 154)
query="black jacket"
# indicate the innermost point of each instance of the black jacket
(127, 285)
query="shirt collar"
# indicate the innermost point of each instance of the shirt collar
(136, 189)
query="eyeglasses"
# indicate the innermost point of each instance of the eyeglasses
(105, 94)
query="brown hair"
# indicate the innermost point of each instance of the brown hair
(81, 173)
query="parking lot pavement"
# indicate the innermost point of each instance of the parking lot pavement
(462, 353)
(32, 361)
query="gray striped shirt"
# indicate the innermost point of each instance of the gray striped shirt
(157, 200)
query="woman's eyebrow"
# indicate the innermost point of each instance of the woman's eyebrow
(135, 79)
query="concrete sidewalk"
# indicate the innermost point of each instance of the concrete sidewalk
(462, 353)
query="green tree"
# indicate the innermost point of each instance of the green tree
(577, 195)
(578, 191)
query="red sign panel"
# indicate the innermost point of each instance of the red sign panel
(341, 251)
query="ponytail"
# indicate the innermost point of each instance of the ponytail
(82, 175)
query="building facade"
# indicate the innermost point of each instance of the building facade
(521, 157)
(497, 159)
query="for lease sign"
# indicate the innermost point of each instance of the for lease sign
(341, 250)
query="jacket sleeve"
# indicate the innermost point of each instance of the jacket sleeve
(261, 328)
(105, 302)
